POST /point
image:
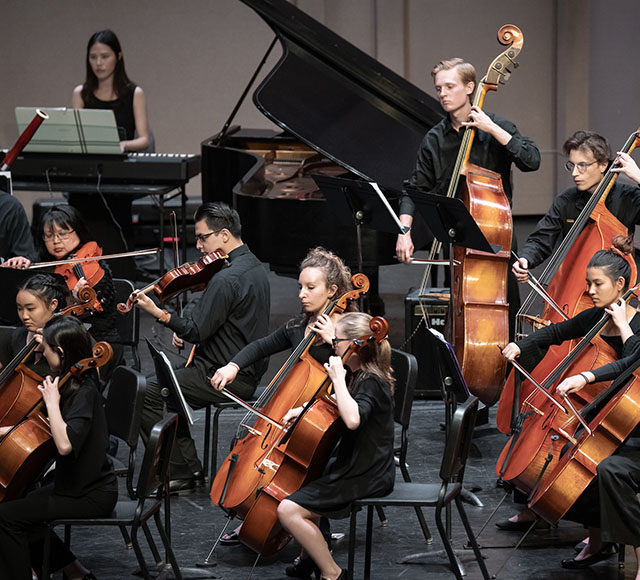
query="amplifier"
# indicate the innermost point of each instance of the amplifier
(436, 307)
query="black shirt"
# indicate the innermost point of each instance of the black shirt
(287, 336)
(122, 108)
(87, 467)
(232, 312)
(15, 232)
(623, 201)
(439, 149)
(534, 346)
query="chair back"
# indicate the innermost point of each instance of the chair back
(155, 463)
(6, 334)
(405, 372)
(127, 325)
(124, 404)
(458, 442)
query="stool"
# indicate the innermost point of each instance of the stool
(210, 454)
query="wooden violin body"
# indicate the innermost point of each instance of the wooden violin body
(194, 277)
(90, 270)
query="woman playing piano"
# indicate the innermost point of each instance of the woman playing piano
(107, 86)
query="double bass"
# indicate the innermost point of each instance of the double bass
(593, 230)
(480, 314)
(246, 468)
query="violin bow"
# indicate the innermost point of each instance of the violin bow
(176, 252)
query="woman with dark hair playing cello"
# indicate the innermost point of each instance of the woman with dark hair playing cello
(364, 464)
(85, 484)
(608, 277)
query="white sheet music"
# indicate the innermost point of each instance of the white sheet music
(385, 201)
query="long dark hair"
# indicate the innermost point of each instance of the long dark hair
(121, 81)
(65, 217)
(68, 336)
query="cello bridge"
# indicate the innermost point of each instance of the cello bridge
(535, 409)
(251, 430)
(272, 465)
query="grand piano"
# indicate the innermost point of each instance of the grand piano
(342, 113)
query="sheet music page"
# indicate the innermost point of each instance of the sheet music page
(188, 411)
(385, 201)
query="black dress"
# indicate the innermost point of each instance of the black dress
(364, 463)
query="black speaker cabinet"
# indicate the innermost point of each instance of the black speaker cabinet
(436, 306)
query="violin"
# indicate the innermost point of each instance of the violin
(28, 446)
(194, 277)
(90, 270)
(299, 455)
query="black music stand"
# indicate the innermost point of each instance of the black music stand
(360, 203)
(170, 390)
(451, 223)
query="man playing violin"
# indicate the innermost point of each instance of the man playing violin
(232, 311)
(497, 144)
(589, 157)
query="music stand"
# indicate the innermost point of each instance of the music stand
(170, 389)
(361, 203)
(451, 223)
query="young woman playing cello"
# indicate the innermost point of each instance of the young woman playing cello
(323, 277)
(364, 464)
(85, 484)
(608, 277)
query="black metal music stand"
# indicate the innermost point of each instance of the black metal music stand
(171, 391)
(358, 202)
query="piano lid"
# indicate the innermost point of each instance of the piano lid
(340, 101)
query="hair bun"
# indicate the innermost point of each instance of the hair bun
(622, 245)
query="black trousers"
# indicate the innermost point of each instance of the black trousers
(610, 502)
(23, 529)
(199, 393)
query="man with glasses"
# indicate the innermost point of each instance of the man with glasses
(589, 157)
(232, 311)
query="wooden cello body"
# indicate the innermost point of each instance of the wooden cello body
(248, 466)
(300, 456)
(576, 469)
(594, 230)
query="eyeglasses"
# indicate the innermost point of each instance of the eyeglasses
(582, 167)
(203, 237)
(62, 236)
(335, 341)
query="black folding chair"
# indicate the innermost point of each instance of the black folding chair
(436, 495)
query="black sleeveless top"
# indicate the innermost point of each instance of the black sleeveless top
(123, 110)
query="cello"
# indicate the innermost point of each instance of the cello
(479, 288)
(613, 423)
(18, 392)
(28, 446)
(591, 232)
(300, 455)
(533, 449)
(242, 473)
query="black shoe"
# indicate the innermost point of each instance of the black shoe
(606, 552)
(198, 478)
(302, 568)
(521, 526)
(177, 486)
(343, 576)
